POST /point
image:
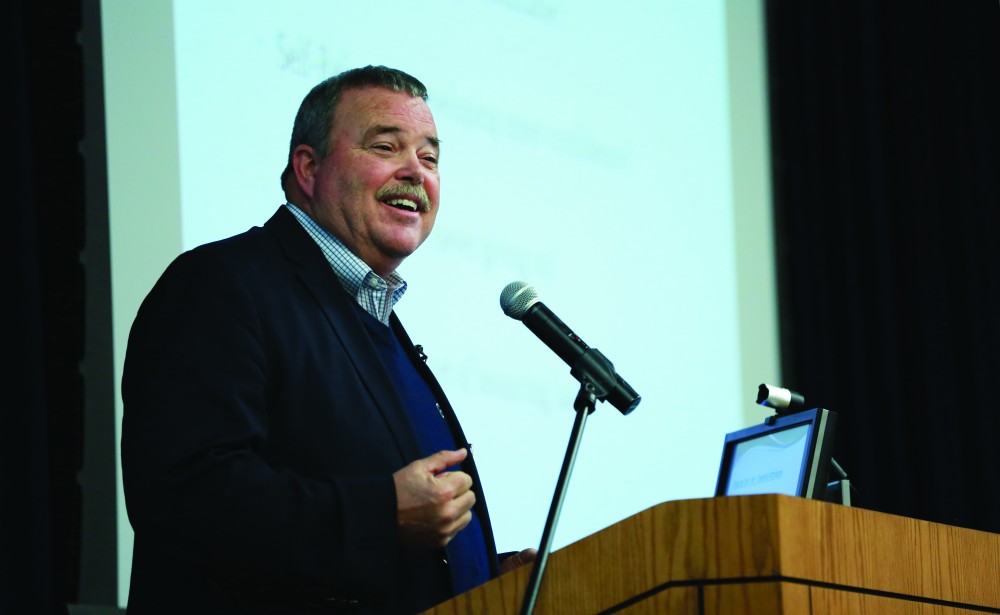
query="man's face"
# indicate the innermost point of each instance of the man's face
(377, 190)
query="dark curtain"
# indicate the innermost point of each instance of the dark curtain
(25, 536)
(42, 420)
(885, 146)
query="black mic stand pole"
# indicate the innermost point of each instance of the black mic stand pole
(584, 405)
(597, 378)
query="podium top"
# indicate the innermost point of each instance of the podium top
(748, 540)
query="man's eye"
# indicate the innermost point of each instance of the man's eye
(431, 159)
(384, 147)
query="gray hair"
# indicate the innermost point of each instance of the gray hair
(314, 120)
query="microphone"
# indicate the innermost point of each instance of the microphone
(520, 301)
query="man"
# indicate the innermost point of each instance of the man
(284, 444)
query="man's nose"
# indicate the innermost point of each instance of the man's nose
(411, 171)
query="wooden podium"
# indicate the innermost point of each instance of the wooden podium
(767, 554)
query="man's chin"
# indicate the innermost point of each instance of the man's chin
(391, 256)
(402, 245)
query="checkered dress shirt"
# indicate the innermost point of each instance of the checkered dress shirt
(375, 295)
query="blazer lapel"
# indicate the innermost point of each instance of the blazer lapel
(314, 271)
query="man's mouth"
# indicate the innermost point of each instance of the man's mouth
(405, 198)
(400, 203)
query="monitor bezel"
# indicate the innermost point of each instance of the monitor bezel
(816, 459)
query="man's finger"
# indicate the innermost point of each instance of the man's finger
(518, 559)
(460, 524)
(441, 460)
(458, 482)
(464, 502)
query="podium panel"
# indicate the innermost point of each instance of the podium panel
(766, 554)
(771, 597)
(830, 602)
(679, 600)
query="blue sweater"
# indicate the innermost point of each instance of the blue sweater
(466, 553)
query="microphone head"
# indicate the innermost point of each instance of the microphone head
(516, 298)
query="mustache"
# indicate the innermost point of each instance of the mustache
(406, 190)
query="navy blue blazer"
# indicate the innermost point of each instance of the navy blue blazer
(260, 435)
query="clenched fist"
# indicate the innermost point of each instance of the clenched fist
(433, 505)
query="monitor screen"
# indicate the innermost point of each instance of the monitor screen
(787, 454)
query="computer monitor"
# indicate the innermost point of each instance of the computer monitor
(787, 454)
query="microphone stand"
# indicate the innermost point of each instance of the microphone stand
(596, 376)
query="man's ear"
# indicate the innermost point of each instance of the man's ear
(305, 164)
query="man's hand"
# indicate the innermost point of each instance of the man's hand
(517, 560)
(433, 505)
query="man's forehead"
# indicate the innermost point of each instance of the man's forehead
(373, 108)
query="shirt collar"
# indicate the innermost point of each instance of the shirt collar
(375, 295)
